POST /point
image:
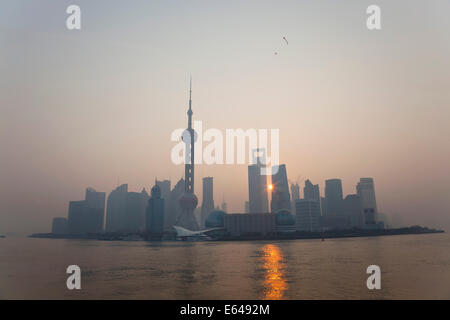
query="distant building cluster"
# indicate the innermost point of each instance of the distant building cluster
(126, 212)
(168, 209)
(157, 213)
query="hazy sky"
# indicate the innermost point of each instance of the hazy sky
(82, 108)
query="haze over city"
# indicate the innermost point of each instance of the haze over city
(96, 107)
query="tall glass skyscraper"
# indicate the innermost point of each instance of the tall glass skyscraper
(154, 222)
(333, 196)
(281, 198)
(257, 183)
(208, 199)
(366, 191)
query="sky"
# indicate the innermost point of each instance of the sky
(96, 107)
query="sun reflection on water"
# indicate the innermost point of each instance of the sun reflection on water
(274, 281)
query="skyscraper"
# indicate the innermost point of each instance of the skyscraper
(96, 202)
(257, 183)
(164, 185)
(125, 210)
(295, 195)
(116, 209)
(78, 217)
(208, 199)
(86, 216)
(188, 200)
(307, 215)
(154, 222)
(95, 199)
(311, 191)
(366, 191)
(136, 204)
(295, 192)
(281, 198)
(172, 208)
(333, 195)
(352, 208)
(323, 206)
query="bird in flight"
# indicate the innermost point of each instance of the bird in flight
(284, 38)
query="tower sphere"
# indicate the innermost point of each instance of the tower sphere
(186, 136)
(188, 201)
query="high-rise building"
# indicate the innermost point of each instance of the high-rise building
(295, 192)
(208, 199)
(78, 217)
(295, 195)
(136, 204)
(59, 225)
(366, 191)
(323, 206)
(334, 197)
(164, 186)
(96, 201)
(257, 183)
(188, 200)
(307, 215)
(125, 210)
(155, 214)
(281, 199)
(311, 191)
(352, 208)
(172, 206)
(86, 216)
(116, 209)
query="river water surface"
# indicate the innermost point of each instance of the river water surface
(412, 267)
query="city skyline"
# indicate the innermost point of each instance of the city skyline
(100, 104)
(128, 212)
(165, 210)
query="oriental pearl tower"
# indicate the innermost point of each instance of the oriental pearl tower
(188, 201)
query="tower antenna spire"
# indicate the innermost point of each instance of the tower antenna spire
(190, 93)
(190, 105)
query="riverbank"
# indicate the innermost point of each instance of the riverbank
(329, 234)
